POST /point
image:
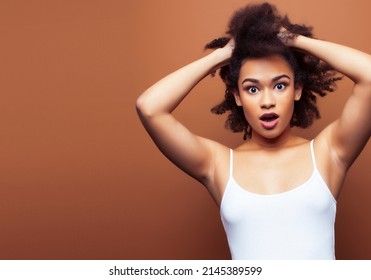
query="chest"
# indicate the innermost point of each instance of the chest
(272, 173)
(298, 224)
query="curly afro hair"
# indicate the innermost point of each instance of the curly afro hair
(255, 29)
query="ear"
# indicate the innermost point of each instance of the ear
(298, 91)
(237, 97)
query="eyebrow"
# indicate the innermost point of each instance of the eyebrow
(273, 80)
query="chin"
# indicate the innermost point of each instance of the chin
(271, 134)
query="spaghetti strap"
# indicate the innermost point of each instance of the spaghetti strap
(230, 163)
(312, 154)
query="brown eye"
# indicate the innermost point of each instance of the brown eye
(280, 86)
(252, 90)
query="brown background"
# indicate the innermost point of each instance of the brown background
(80, 178)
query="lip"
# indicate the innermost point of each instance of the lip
(269, 120)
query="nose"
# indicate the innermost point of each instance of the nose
(267, 100)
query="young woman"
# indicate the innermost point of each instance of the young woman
(276, 191)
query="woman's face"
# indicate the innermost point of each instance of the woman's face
(267, 94)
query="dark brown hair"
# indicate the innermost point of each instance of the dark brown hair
(255, 29)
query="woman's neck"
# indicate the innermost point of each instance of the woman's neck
(285, 139)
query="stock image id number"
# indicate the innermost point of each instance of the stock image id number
(230, 270)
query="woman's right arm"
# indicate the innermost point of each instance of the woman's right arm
(191, 153)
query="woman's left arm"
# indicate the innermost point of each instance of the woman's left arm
(347, 136)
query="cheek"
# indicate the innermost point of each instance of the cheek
(288, 102)
(287, 107)
(250, 110)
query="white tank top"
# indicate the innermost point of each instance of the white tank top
(297, 224)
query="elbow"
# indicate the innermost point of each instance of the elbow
(143, 107)
(140, 105)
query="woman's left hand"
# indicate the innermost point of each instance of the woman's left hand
(286, 36)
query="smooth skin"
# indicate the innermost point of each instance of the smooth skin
(273, 160)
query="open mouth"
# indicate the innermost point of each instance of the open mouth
(269, 117)
(269, 120)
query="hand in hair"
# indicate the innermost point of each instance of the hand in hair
(286, 36)
(228, 50)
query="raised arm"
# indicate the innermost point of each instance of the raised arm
(347, 136)
(193, 154)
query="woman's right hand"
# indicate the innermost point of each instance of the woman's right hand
(224, 55)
